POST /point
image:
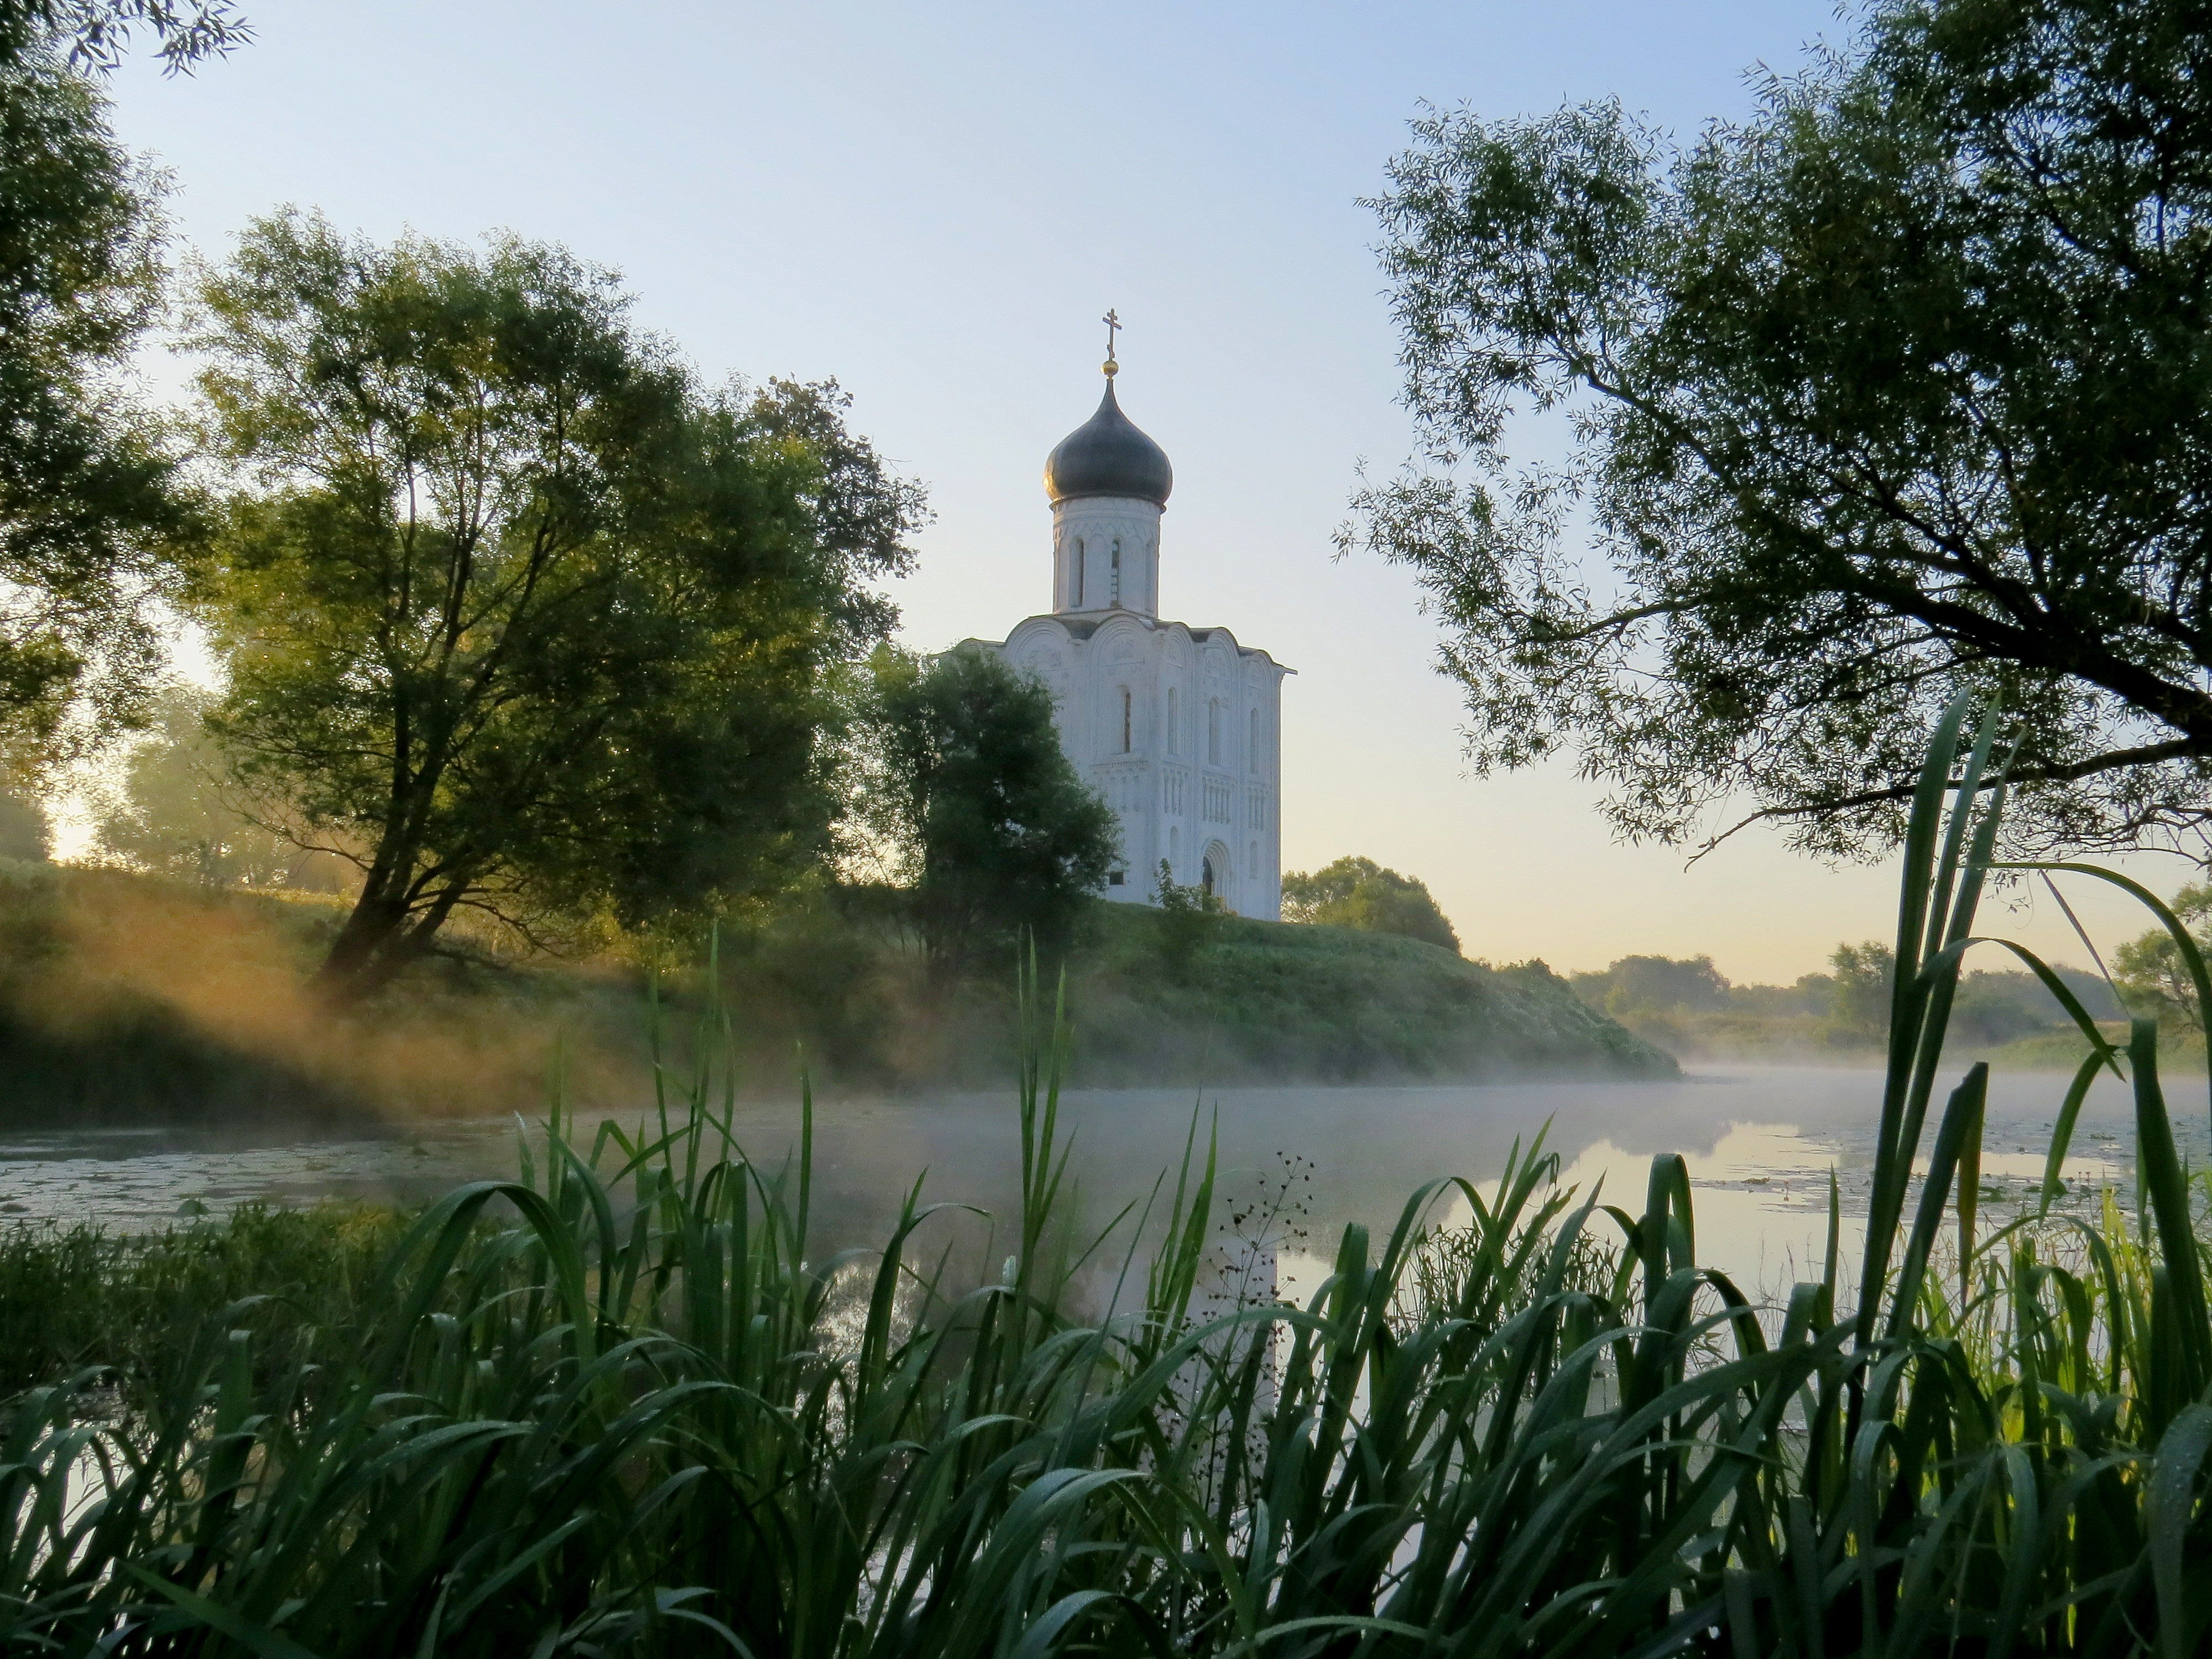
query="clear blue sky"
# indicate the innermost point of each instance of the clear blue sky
(933, 204)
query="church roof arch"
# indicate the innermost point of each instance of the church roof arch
(1033, 630)
(1221, 653)
(1121, 632)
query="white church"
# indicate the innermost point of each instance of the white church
(1179, 728)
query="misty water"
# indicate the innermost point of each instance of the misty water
(1760, 1142)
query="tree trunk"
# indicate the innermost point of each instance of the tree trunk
(381, 938)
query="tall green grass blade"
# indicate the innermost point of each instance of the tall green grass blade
(1916, 930)
(2171, 1507)
(2185, 944)
(2062, 1133)
(2158, 1171)
(1961, 1120)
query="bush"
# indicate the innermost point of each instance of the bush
(1360, 894)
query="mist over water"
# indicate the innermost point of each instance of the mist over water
(1760, 1141)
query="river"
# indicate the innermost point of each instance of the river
(1760, 1142)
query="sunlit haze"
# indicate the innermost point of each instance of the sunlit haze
(934, 205)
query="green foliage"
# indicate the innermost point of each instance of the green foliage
(1864, 987)
(87, 497)
(1635, 983)
(1896, 387)
(24, 833)
(1252, 1000)
(518, 618)
(968, 794)
(1188, 919)
(177, 812)
(2150, 971)
(1357, 892)
(78, 1296)
(1689, 1008)
(629, 1403)
(94, 34)
(1156, 997)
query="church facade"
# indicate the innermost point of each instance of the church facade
(1179, 728)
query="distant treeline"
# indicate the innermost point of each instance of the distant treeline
(1689, 1007)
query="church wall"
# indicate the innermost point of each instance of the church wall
(1194, 781)
(1085, 534)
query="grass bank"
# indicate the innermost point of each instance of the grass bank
(1159, 999)
(123, 997)
(130, 998)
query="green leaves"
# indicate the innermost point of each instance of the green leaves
(517, 616)
(968, 796)
(1896, 387)
(1357, 892)
(89, 507)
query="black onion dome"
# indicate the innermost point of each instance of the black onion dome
(1106, 455)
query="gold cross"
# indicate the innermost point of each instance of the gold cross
(1113, 321)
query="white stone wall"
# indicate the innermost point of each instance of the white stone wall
(1201, 771)
(1106, 555)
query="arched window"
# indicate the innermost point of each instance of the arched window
(1252, 749)
(1114, 597)
(1213, 732)
(1125, 720)
(1173, 740)
(1079, 572)
(1174, 849)
(1208, 876)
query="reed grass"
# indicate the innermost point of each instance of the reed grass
(623, 1404)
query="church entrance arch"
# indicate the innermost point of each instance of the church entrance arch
(1214, 871)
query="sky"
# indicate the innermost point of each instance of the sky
(933, 204)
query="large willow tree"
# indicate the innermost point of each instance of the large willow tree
(1901, 385)
(518, 620)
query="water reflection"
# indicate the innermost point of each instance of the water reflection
(1760, 1142)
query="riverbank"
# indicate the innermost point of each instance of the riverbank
(126, 999)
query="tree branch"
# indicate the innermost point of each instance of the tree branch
(2112, 760)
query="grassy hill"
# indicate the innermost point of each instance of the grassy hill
(125, 998)
(1272, 1001)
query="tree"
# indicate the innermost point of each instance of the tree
(1859, 1008)
(518, 619)
(2149, 972)
(1190, 917)
(1899, 385)
(982, 815)
(1639, 984)
(177, 812)
(1357, 892)
(24, 832)
(93, 34)
(87, 495)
